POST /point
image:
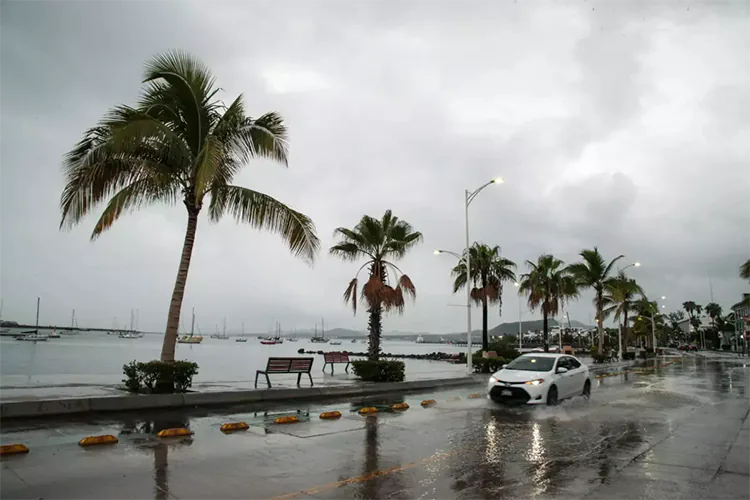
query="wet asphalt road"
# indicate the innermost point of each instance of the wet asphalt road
(681, 432)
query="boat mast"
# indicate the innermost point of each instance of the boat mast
(37, 314)
(73, 319)
(131, 320)
(323, 327)
(243, 328)
(224, 331)
(192, 324)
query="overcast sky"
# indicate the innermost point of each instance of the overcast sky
(619, 124)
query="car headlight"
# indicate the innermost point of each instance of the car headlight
(493, 380)
(534, 382)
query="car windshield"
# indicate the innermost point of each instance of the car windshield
(531, 363)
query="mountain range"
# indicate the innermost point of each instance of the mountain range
(510, 328)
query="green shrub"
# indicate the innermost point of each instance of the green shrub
(133, 377)
(504, 350)
(160, 377)
(486, 365)
(384, 370)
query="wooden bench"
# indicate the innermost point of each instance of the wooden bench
(336, 357)
(286, 365)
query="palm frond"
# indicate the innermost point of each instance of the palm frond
(407, 287)
(190, 88)
(266, 213)
(142, 191)
(345, 251)
(350, 294)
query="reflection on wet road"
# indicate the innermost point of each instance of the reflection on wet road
(677, 433)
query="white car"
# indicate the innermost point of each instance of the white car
(540, 378)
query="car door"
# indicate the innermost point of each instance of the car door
(564, 382)
(577, 376)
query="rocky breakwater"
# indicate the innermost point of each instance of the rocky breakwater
(457, 358)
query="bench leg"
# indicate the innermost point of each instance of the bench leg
(346, 368)
(256, 379)
(332, 367)
(299, 378)
(310, 375)
(268, 381)
(324, 367)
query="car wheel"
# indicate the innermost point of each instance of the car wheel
(552, 396)
(587, 389)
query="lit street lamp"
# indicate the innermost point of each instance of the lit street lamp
(468, 198)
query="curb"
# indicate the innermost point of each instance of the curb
(73, 406)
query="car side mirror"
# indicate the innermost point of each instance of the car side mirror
(562, 369)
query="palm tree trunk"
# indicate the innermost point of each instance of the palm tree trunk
(485, 333)
(375, 324)
(175, 306)
(624, 332)
(599, 326)
(545, 335)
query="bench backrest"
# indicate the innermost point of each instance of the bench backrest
(336, 357)
(289, 365)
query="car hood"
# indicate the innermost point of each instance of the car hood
(519, 375)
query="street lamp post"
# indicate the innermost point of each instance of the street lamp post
(468, 198)
(520, 331)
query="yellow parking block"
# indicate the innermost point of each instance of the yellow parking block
(290, 419)
(234, 426)
(13, 449)
(176, 432)
(400, 406)
(330, 415)
(367, 410)
(475, 396)
(95, 440)
(428, 402)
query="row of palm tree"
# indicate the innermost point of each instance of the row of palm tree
(180, 143)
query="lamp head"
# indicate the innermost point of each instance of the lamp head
(498, 180)
(637, 264)
(436, 252)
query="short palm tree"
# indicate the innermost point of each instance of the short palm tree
(594, 272)
(379, 242)
(548, 284)
(179, 144)
(620, 295)
(745, 270)
(648, 311)
(488, 272)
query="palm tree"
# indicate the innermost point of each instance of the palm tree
(548, 285)
(620, 294)
(180, 144)
(488, 272)
(594, 272)
(694, 311)
(647, 309)
(714, 312)
(745, 270)
(378, 240)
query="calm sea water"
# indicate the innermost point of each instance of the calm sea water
(96, 359)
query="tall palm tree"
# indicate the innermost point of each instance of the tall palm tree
(594, 272)
(378, 240)
(548, 285)
(179, 143)
(488, 272)
(620, 294)
(745, 270)
(694, 311)
(714, 312)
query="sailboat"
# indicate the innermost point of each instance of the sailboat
(132, 334)
(242, 337)
(322, 339)
(223, 335)
(34, 335)
(191, 339)
(276, 339)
